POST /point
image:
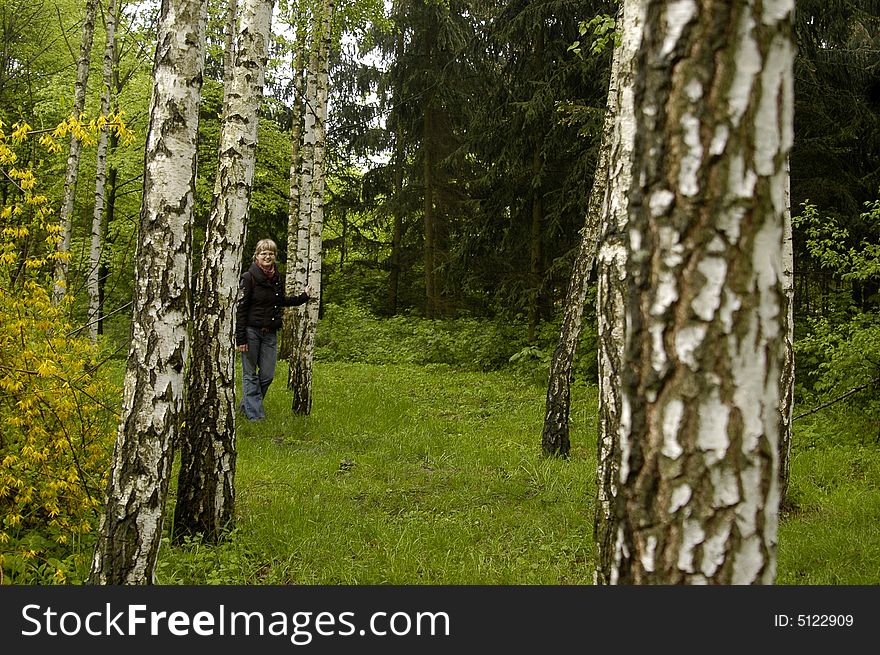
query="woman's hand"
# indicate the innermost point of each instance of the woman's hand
(242, 348)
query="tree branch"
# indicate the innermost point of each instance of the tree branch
(831, 402)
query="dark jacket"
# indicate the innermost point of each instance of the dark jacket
(261, 302)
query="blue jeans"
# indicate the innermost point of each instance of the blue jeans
(257, 371)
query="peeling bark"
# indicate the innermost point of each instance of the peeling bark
(299, 380)
(293, 281)
(705, 300)
(611, 287)
(131, 523)
(206, 483)
(786, 382)
(555, 435)
(316, 122)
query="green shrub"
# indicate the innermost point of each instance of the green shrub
(351, 333)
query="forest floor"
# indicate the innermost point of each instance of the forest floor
(425, 475)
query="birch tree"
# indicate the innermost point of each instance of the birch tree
(611, 275)
(310, 227)
(94, 278)
(74, 150)
(131, 523)
(295, 278)
(786, 382)
(698, 434)
(206, 483)
(555, 435)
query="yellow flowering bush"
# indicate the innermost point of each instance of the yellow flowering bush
(58, 410)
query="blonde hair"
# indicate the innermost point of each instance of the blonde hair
(265, 244)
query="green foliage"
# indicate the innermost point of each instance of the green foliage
(830, 244)
(841, 352)
(351, 333)
(839, 358)
(601, 28)
(832, 533)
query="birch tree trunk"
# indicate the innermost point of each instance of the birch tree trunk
(131, 523)
(611, 277)
(74, 151)
(699, 424)
(294, 280)
(786, 406)
(206, 482)
(555, 439)
(299, 380)
(229, 45)
(96, 247)
(302, 400)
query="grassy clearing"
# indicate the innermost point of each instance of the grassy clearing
(424, 475)
(832, 536)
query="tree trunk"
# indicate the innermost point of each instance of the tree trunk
(206, 483)
(131, 523)
(230, 43)
(110, 214)
(699, 426)
(555, 437)
(293, 281)
(342, 248)
(397, 233)
(611, 277)
(302, 397)
(74, 151)
(298, 379)
(94, 281)
(535, 254)
(535, 251)
(787, 379)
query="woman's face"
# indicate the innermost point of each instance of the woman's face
(266, 257)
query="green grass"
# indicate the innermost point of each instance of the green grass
(424, 475)
(832, 535)
(405, 475)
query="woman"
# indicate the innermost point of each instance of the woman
(258, 318)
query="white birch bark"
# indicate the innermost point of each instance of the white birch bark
(229, 45)
(786, 406)
(206, 484)
(557, 409)
(705, 302)
(131, 524)
(96, 245)
(611, 276)
(316, 225)
(74, 152)
(295, 279)
(300, 369)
